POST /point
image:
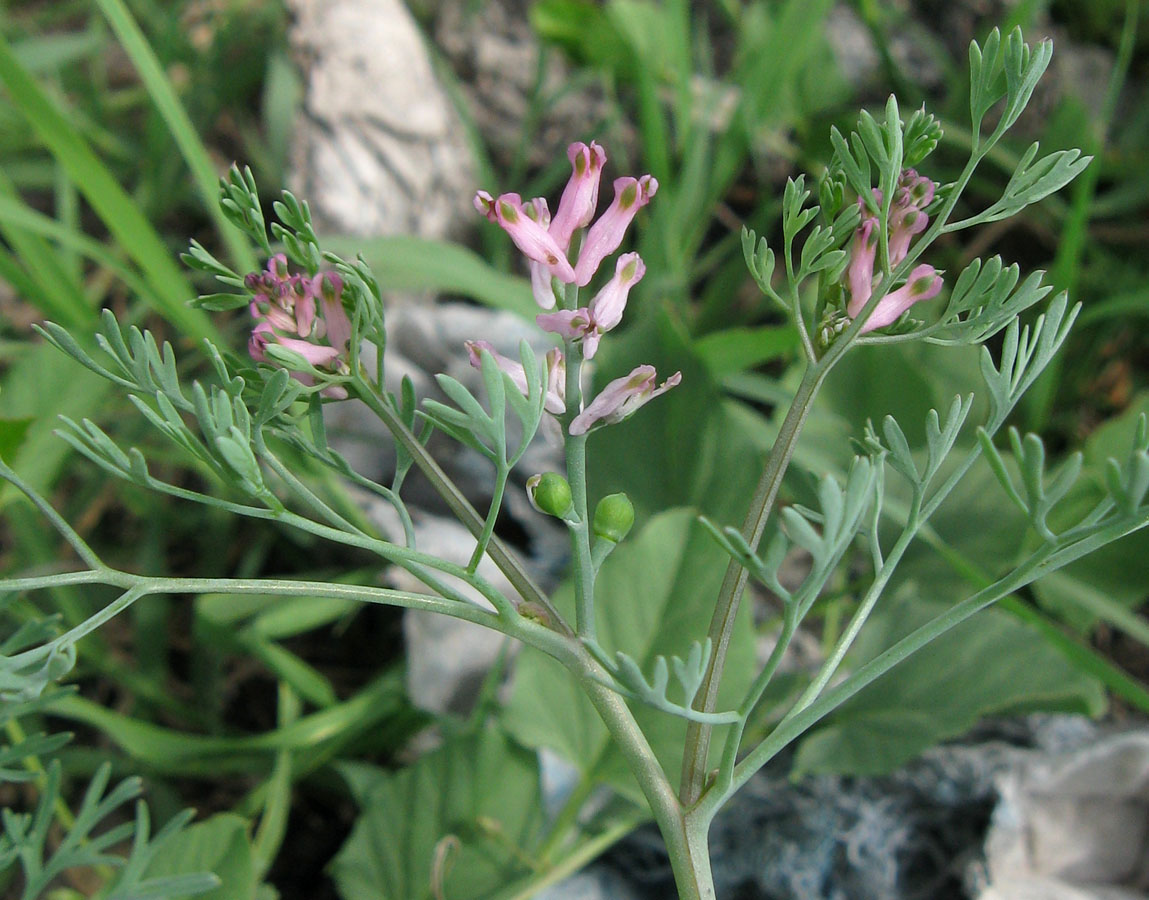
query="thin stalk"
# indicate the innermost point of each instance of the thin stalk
(302, 490)
(698, 734)
(583, 569)
(846, 640)
(1046, 559)
(507, 563)
(576, 860)
(738, 729)
(484, 539)
(691, 874)
(405, 557)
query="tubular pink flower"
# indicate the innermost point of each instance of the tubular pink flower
(541, 286)
(924, 284)
(914, 190)
(485, 204)
(274, 314)
(556, 372)
(529, 236)
(589, 324)
(608, 304)
(316, 354)
(622, 398)
(630, 195)
(570, 324)
(860, 274)
(261, 335)
(329, 287)
(905, 223)
(580, 196)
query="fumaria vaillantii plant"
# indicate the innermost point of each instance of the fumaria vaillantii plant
(318, 336)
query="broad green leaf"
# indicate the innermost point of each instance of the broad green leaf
(417, 264)
(42, 385)
(685, 448)
(220, 845)
(12, 433)
(464, 818)
(990, 665)
(655, 596)
(736, 349)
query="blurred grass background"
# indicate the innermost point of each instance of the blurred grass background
(116, 117)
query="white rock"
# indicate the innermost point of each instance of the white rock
(379, 148)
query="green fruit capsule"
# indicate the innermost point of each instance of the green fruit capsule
(613, 517)
(549, 493)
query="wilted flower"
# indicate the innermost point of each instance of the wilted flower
(556, 372)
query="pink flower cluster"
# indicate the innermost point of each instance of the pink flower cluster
(286, 311)
(907, 219)
(546, 243)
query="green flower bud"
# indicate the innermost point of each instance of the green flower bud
(549, 493)
(613, 517)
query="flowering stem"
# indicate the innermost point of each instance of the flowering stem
(575, 447)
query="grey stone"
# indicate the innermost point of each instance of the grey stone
(379, 148)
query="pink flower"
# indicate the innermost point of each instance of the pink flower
(580, 196)
(556, 372)
(923, 284)
(545, 242)
(605, 310)
(622, 398)
(328, 286)
(531, 237)
(284, 309)
(630, 195)
(860, 274)
(905, 223)
(908, 219)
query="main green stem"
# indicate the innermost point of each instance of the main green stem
(698, 734)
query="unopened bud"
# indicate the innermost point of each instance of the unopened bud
(613, 517)
(551, 494)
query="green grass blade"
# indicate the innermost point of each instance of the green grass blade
(159, 88)
(59, 292)
(15, 213)
(410, 263)
(113, 205)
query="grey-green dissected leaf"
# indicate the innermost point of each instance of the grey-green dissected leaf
(1119, 573)
(221, 845)
(480, 790)
(990, 665)
(656, 594)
